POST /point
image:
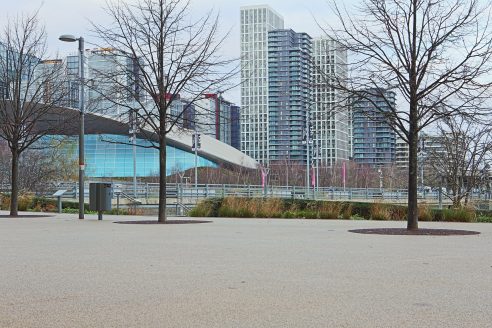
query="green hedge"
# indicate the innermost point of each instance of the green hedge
(309, 209)
(41, 204)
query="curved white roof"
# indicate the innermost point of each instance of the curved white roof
(211, 148)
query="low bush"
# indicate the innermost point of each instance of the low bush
(24, 202)
(362, 209)
(484, 219)
(380, 212)
(425, 213)
(4, 202)
(463, 214)
(329, 210)
(294, 208)
(398, 212)
(207, 208)
(357, 217)
(347, 212)
(271, 208)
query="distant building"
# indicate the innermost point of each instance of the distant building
(429, 146)
(374, 141)
(255, 23)
(402, 153)
(10, 66)
(330, 113)
(289, 96)
(112, 78)
(216, 117)
(236, 127)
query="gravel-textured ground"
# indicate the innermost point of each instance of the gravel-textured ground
(62, 272)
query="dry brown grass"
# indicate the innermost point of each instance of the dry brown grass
(330, 210)
(380, 212)
(425, 212)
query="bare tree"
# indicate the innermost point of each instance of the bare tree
(435, 54)
(466, 148)
(30, 88)
(172, 55)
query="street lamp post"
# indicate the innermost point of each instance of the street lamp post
(71, 38)
(307, 140)
(133, 139)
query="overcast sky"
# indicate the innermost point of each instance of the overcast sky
(72, 16)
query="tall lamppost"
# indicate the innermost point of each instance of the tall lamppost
(307, 140)
(71, 38)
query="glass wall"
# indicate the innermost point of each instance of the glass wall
(107, 155)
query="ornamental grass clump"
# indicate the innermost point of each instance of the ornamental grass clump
(425, 213)
(347, 212)
(330, 210)
(398, 213)
(462, 214)
(271, 208)
(380, 212)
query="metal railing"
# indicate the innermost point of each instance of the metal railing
(186, 194)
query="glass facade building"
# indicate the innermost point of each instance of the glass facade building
(374, 141)
(108, 155)
(289, 96)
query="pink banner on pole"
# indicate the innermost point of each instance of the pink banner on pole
(263, 176)
(313, 178)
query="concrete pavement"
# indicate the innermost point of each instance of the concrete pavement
(62, 272)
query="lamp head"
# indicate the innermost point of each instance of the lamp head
(67, 38)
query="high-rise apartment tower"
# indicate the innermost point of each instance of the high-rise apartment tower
(256, 22)
(329, 111)
(289, 94)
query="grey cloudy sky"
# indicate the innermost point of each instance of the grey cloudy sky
(72, 16)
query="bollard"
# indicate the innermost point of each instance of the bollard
(60, 210)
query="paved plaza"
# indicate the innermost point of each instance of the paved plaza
(61, 272)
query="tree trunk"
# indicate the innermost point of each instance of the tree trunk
(14, 181)
(412, 223)
(162, 180)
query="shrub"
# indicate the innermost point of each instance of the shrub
(362, 209)
(307, 214)
(463, 214)
(425, 213)
(272, 208)
(289, 215)
(4, 202)
(484, 219)
(206, 208)
(438, 215)
(347, 212)
(237, 207)
(329, 210)
(380, 212)
(25, 202)
(398, 213)
(357, 217)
